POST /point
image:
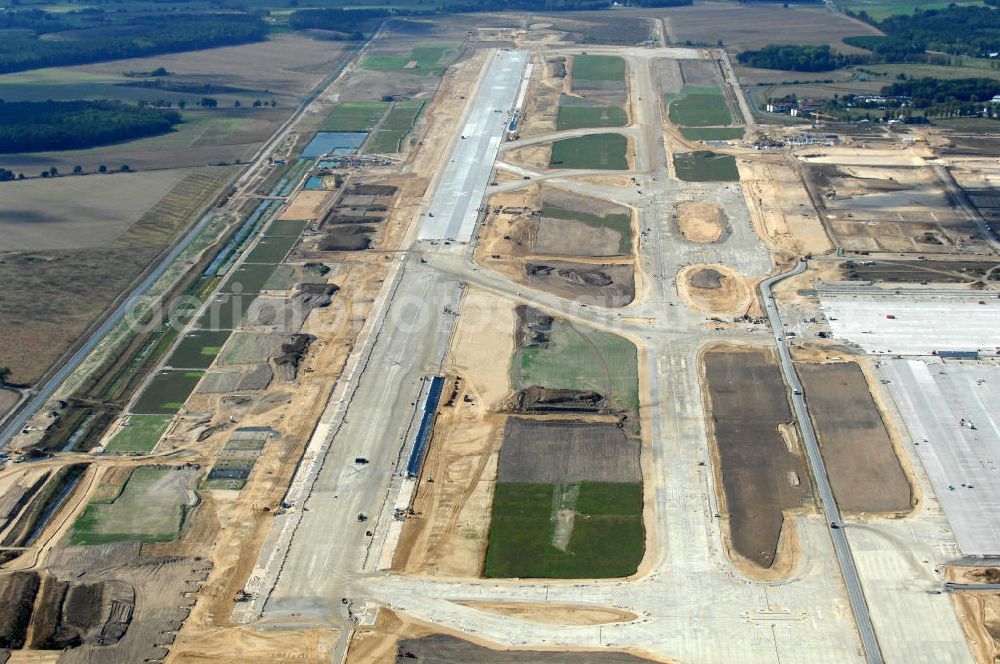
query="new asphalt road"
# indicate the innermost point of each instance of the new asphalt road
(829, 504)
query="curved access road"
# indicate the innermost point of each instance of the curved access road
(827, 501)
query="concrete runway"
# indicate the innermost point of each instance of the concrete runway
(460, 190)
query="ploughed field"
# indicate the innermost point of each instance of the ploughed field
(761, 477)
(860, 461)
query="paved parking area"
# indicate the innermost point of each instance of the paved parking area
(923, 323)
(963, 463)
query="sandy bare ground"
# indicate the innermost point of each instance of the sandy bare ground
(305, 205)
(447, 537)
(715, 289)
(555, 614)
(700, 221)
(781, 210)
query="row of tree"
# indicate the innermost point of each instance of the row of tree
(955, 29)
(64, 125)
(795, 57)
(135, 37)
(7, 175)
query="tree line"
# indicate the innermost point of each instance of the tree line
(134, 37)
(795, 57)
(28, 126)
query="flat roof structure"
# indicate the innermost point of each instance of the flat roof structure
(914, 323)
(952, 412)
(454, 209)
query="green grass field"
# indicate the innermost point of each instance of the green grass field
(271, 250)
(879, 9)
(607, 539)
(249, 278)
(355, 116)
(384, 141)
(581, 358)
(598, 68)
(705, 166)
(698, 107)
(597, 151)
(711, 133)
(197, 349)
(141, 435)
(150, 507)
(425, 59)
(166, 393)
(622, 223)
(577, 113)
(395, 127)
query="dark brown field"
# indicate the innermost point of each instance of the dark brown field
(561, 452)
(760, 477)
(442, 649)
(860, 461)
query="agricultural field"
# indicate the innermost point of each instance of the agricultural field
(355, 116)
(197, 349)
(248, 278)
(151, 506)
(860, 461)
(579, 112)
(880, 9)
(422, 59)
(751, 26)
(760, 477)
(705, 166)
(140, 434)
(698, 107)
(271, 250)
(53, 294)
(574, 357)
(596, 151)
(166, 392)
(568, 502)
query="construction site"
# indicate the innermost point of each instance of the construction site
(514, 345)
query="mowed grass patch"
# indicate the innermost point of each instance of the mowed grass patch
(597, 151)
(591, 68)
(607, 539)
(711, 133)
(355, 116)
(271, 250)
(384, 141)
(403, 114)
(285, 228)
(248, 279)
(706, 166)
(197, 350)
(577, 113)
(699, 107)
(424, 59)
(141, 434)
(166, 392)
(150, 507)
(581, 358)
(622, 223)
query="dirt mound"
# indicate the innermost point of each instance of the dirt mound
(17, 595)
(572, 275)
(292, 351)
(707, 278)
(700, 222)
(603, 285)
(533, 328)
(347, 238)
(714, 288)
(537, 399)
